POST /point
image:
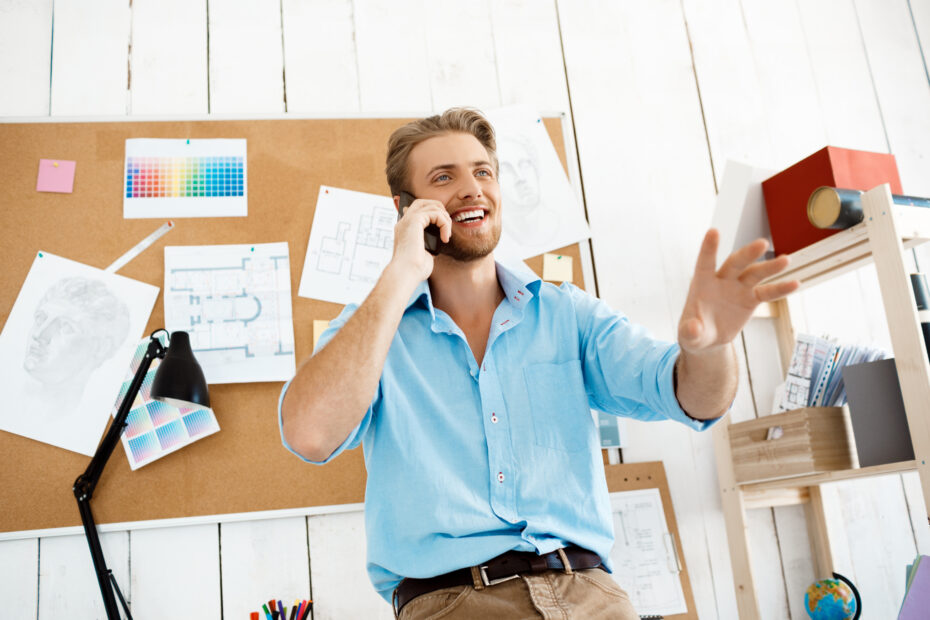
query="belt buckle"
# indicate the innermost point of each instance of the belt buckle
(483, 570)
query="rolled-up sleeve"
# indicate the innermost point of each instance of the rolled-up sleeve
(626, 371)
(355, 437)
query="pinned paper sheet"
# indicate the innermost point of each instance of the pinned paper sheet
(56, 175)
(65, 348)
(557, 268)
(185, 178)
(235, 302)
(318, 328)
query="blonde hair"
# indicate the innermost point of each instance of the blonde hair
(461, 120)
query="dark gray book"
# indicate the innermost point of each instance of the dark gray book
(877, 412)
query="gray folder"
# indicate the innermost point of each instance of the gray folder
(877, 412)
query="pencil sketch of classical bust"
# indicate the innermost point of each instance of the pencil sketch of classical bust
(78, 324)
(528, 219)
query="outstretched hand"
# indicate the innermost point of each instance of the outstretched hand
(721, 301)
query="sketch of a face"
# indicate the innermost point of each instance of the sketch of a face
(519, 174)
(77, 326)
(527, 217)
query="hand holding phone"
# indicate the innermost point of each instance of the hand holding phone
(431, 239)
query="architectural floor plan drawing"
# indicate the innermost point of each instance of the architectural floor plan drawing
(351, 241)
(235, 301)
(644, 553)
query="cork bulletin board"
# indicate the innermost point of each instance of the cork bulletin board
(244, 467)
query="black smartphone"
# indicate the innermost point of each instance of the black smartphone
(431, 239)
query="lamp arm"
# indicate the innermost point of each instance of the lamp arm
(86, 483)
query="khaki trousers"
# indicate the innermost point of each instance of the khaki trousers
(551, 595)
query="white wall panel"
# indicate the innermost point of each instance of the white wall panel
(169, 57)
(794, 547)
(460, 48)
(68, 585)
(246, 57)
(918, 510)
(733, 105)
(393, 62)
(649, 192)
(319, 56)
(25, 57)
(880, 541)
(176, 568)
(341, 588)
(780, 57)
(766, 566)
(901, 86)
(920, 11)
(528, 48)
(261, 560)
(90, 58)
(19, 576)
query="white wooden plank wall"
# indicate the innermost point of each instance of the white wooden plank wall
(662, 95)
(168, 61)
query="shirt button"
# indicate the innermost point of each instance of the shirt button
(500, 476)
(493, 418)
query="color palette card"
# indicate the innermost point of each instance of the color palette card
(185, 178)
(153, 428)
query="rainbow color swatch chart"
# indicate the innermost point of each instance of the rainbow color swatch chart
(185, 178)
(153, 428)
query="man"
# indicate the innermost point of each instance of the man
(470, 384)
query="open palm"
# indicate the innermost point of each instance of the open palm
(721, 301)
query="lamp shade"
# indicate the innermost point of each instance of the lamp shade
(179, 380)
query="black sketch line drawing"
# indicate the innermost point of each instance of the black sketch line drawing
(373, 243)
(233, 312)
(529, 219)
(78, 324)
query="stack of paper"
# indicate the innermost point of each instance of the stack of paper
(917, 595)
(814, 378)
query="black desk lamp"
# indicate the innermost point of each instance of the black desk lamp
(179, 381)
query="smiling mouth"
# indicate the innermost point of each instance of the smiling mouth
(469, 216)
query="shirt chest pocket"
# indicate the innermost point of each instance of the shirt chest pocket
(559, 405)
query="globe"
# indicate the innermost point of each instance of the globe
(832, 599)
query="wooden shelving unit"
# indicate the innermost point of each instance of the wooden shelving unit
(881, 238)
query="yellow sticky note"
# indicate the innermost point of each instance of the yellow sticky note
(318, 328)
(557, 268)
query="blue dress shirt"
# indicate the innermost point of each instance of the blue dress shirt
(467, 462)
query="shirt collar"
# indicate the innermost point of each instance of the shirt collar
(520, 284)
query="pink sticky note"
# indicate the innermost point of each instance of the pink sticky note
(56, 175)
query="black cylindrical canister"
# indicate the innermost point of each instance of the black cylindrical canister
(831, 207)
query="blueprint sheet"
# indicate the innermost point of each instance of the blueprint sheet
(235, 301)
(351, 241)
(644, 558)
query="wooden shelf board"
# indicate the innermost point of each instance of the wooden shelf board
(850, 249)
(829, 476)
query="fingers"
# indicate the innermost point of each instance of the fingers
(736, 262)
(758, 272)
(707, 256)
(776, 290)
(428, 212)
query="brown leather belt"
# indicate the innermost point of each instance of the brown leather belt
(504, 567)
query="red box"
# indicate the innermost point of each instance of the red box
(787, 192)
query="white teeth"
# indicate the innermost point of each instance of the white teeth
(468, 215)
